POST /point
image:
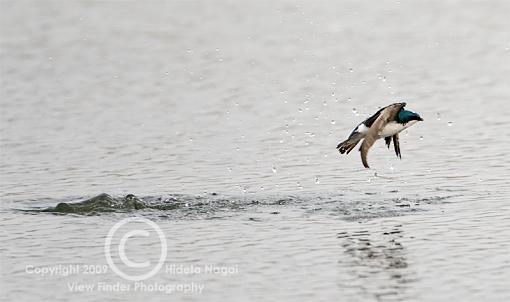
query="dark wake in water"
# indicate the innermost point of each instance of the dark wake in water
(106, 203)
(209, 206)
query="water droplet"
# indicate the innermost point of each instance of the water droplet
(274, 170)
(324, 103)
(333, 122)
(237, 148)
(351, 70)
(450, 124)
(421, 137)
(229, 169)
(354, 111)
(190, 139)
(317, 180)
(438, 116)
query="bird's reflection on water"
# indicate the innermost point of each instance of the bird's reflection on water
(375, 264)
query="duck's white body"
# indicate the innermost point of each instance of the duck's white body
(390, 129)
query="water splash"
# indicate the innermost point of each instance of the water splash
(181, 206)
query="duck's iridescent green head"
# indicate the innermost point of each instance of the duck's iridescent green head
(405, 116)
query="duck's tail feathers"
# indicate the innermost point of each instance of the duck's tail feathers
(349, 144)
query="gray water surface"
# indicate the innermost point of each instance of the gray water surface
(222, 117)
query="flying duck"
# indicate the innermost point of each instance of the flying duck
(388, 122)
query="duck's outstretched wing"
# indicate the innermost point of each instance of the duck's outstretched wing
(386, 115)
